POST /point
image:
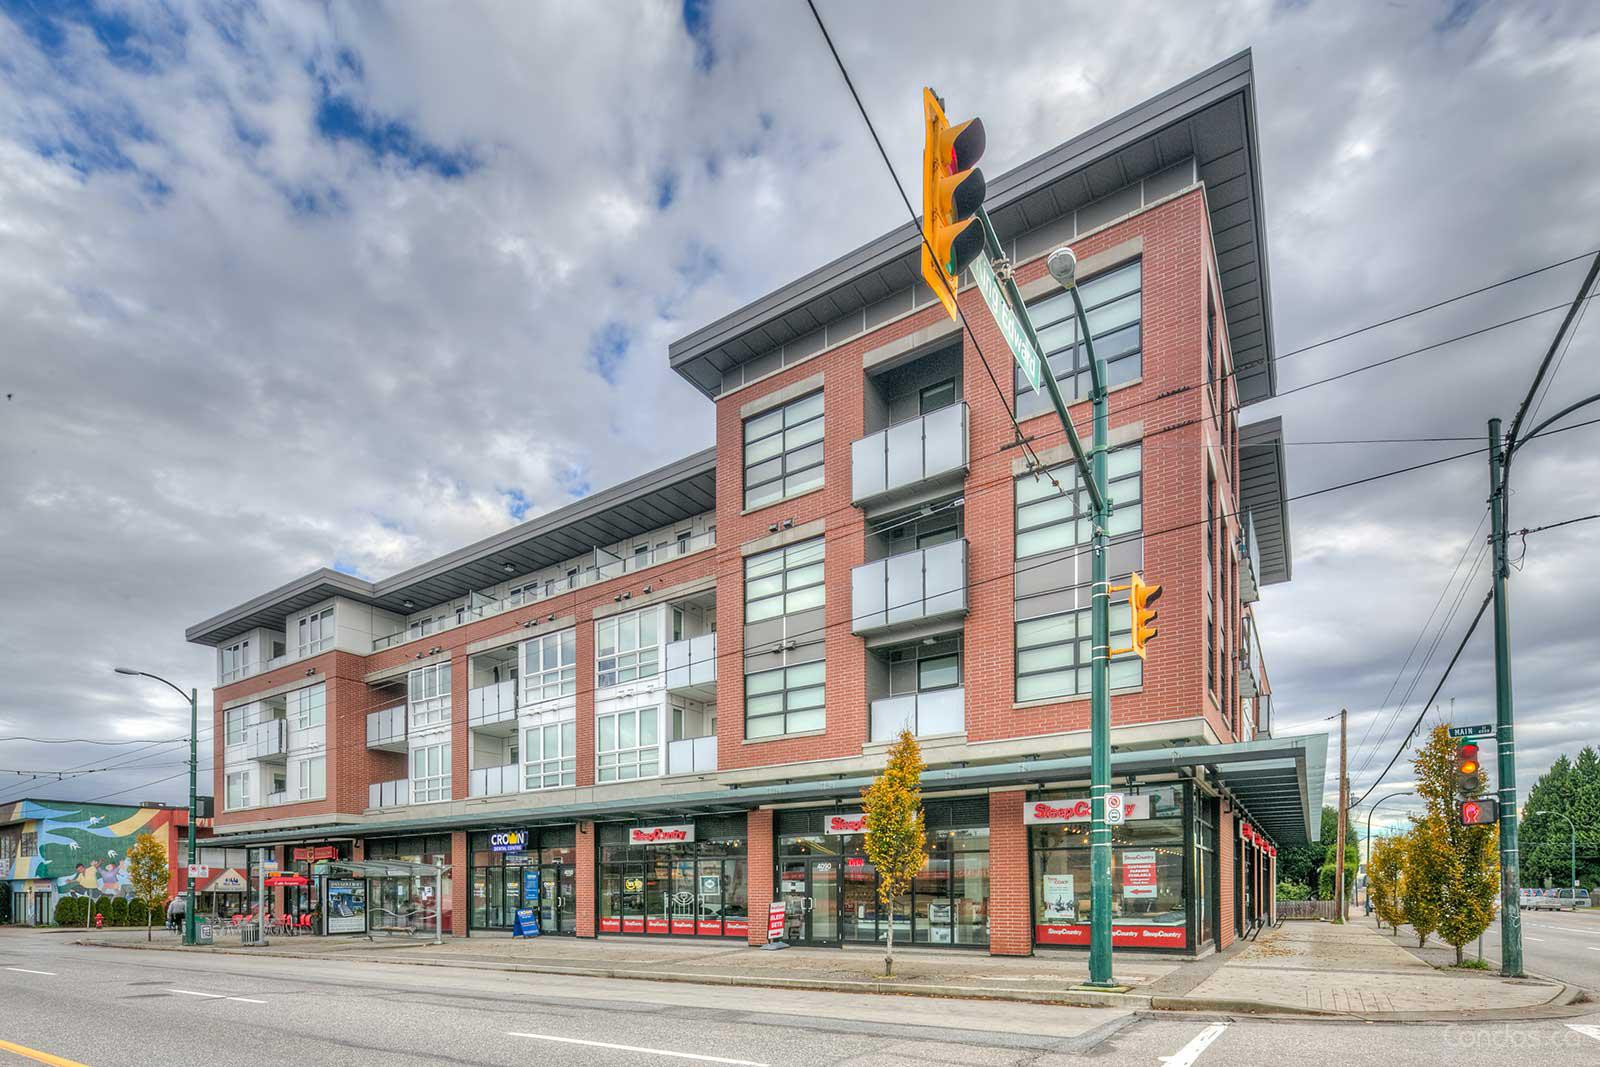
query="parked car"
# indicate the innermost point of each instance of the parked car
(1571, 899)
(1539, 900)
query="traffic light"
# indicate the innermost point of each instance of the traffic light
(1484, 812)
(952, 192)
(1469, 770)
(1140, 596)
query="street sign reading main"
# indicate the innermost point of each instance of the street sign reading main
(1011, 327)
(1484, 730)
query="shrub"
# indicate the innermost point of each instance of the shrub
(5, 908)
(117, 913)
(1293, 891)
(102, 907)
(65, 907)
(138, 913)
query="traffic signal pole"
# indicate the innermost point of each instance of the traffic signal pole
(1505, 738)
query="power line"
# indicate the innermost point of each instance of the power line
(87, 741)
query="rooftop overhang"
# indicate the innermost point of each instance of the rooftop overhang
(1281, 775)
(1211, 118)
(1263, 481)
(669, 494)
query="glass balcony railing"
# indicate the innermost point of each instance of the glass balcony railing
(493, 781)
(604, 572)
(692, 755)
(902, 458)
(490, 705)
(926, 585)
(268, 740)
(386, 729)
(389, 794)
(692, 663)
(938, 711)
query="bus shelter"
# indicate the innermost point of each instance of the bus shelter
(401, 896)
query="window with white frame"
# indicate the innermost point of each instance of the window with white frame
(550, 755)
(236, 792)
(233, 723)
(311, 778)
(308, 707)
(525, 593)
(235, 661)
(627, 744)
(315, 632)
(783, 581)
(784, 701)
(430, 773)
(550, 666)
(783, 451)
(428, 695)
(627, 647)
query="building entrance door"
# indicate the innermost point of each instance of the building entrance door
(558, 899)
(810, 890)
(41, 908)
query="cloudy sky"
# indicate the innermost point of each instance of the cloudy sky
(291, 285)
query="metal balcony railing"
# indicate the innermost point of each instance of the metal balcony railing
(386, 729)
(493, 781)
(926, 585)
(938, 711)
(908, 455)
(267, 740)
(692, 662)
(488, 705)
(389, 794)
(692, 755)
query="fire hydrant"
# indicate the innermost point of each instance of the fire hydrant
(99, 920)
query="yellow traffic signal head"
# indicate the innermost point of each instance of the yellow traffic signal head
(952, 191)
(1141, 595)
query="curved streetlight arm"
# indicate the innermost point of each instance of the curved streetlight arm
(146, 674)
(1552, 420)
(1574, 839)
(1375, 803)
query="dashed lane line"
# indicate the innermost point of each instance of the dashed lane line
(637, 1048)
(215, 996)
(24, 970)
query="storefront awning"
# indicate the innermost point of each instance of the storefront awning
(386, 868)
(1291, 792)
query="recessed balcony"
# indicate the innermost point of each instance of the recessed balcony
(938, 711)
(386, 729)
(493, 708)
(692, 667)
(692, 755)
(924, 453)
(493, 781)
(912, 589)
(267, 741)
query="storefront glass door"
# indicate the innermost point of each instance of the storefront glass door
(558, 913)
(811, 901)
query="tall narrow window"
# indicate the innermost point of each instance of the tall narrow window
(1112, 306)
(430, 773)
(628, 647)
(550, 754)
(627, 744)
(783, 451)
(550, 667)
(428, 695)
(315, 632)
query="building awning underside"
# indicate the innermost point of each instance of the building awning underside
(1276, 781)
(1263, 482)
(386, 868)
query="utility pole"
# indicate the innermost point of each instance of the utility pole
(1505, 738)
(1344, 804)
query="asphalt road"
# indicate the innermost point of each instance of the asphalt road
(66, 1004)
(1564, 945)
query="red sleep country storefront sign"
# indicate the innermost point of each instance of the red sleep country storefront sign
(1123, 935)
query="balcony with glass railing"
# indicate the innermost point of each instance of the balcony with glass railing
(267, 740)
(692, 666)
(692, 755)
(491, 707)
(603, 570)
(927, 585)
(493, 781)
(275, 799)
(393, 794)
(923, 453)
(386, 729)
(1249, 563)
(925, 714)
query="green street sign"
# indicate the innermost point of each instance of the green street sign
(1011, 327)
(1484, 730)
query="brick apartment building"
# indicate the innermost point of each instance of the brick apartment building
(657, 706)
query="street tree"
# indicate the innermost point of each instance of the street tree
(1457, 867)
(1383, 879)
(147, 872)
(896, 837)
(1570, 789)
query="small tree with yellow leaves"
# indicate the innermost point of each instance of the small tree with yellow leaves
(896, 838)
(147, 871)
(1383, 880)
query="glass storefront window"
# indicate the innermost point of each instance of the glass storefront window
(694, 888)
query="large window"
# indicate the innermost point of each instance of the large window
(1051, 519)
(1111, 303)
(550, 755)
(784, 701)
(1054, 654)
(784, 581)
(315, 632)
(311, 778)
(783, 452)
(236, 792)
(627, 744)
(308, 707)
(627, 647)
(235, 661)
(550, 667)
(429, 695)
(233, 723)
(430, 773)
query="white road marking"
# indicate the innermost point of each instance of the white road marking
(1532, 938)
(215, 996)
(1585, 1029)
(636, 1048)
(24, 970)
(1186, 1056)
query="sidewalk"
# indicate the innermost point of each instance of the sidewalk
(1303, 968)
(1352, 970)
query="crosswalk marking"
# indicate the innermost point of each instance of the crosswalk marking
(1186, 1056)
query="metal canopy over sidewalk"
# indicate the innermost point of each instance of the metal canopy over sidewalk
(1278, 781)
(387, 868)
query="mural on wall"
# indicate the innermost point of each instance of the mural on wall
(83, 848)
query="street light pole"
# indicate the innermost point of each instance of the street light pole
(1505, 734)
(1574, 828)
(1375, 803)
(193, 697)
